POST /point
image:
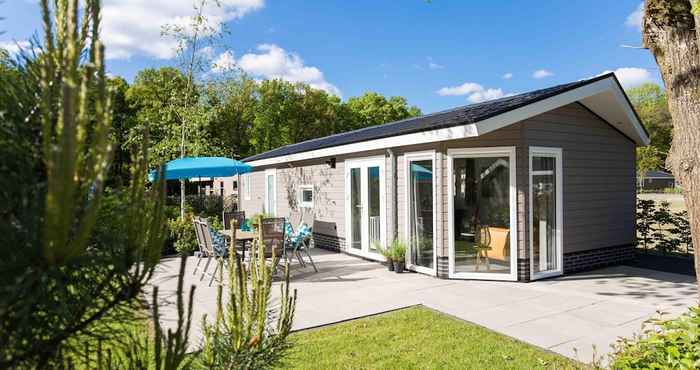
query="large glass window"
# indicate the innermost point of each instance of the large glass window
(544, 222)
(482, 229)
(356, 208)
(374, 206)
(420, 194)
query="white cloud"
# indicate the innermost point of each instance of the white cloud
(207, 52)
(507, 76)
(488, 94)
(463, 89)
(433, 65)
(634, 20)
(430, 64)
(224, 62)
(133, 27)
(475, 92)
(274, 62)
(14, 47)
(541, 73)
(631, 76)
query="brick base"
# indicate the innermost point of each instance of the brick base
(443, 267)
(596, 258)
(329, 242)
(524, 270)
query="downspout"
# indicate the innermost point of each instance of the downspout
(393, 185)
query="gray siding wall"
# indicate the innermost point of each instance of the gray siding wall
(329, 189)
(599, 176)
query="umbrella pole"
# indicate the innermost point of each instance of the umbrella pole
(182, 199)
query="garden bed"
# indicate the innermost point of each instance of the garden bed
(659, 262)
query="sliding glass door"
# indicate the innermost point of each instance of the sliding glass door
(420, 212)
(364, 206)
(482, 213)
(546, 256)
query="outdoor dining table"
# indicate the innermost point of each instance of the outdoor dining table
(242, 237)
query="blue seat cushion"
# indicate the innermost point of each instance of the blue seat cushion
(219, 243)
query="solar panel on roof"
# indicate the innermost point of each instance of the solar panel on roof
(457, 116)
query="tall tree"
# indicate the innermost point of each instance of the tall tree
(650, 102)
(671, 31)
(276, 120)
(192, 36)
(122, 122)
(153, 97)
(234, 100)
(372, 109)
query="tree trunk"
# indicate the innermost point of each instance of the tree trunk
(669, 33)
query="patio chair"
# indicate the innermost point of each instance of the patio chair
(202, 252)
(298, 242)
(206, 250)
(215, 246)
(272, 237)
(239, 216)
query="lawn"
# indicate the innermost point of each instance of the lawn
(416, 338)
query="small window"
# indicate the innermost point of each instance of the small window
(306, 196)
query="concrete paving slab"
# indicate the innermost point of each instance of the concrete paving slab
(569, 315)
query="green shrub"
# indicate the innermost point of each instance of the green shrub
(215, 223)
(386, 252)
(181, 234)
(665, 344)
(398, 251)
(201, 205)
(660, 229)
(645, 221)
(250, 329)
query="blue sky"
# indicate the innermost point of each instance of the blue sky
(438, 55)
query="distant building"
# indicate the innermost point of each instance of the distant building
(656, 180)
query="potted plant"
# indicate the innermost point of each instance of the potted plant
(387, 253)
(398, 255)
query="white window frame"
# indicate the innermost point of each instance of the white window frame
(556, 153)
(482, 152)
(408, 158)
(271, 172)
(302, 203)
(363, 164)
(246, 184)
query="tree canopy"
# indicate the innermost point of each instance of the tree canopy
(649, 100)
(238, 116)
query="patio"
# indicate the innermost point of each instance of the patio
(567, 315)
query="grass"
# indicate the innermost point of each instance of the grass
(416, 338)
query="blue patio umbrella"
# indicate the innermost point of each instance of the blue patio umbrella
(421, 173)
(194, 167)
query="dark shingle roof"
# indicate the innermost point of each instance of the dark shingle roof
(458, 116)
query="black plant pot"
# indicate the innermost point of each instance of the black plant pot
(399, 266)
(390, 264)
